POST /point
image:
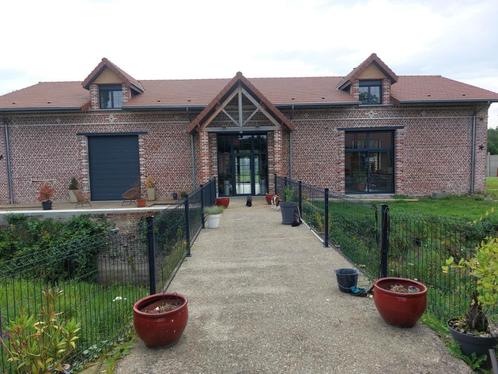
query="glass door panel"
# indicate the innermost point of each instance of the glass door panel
(242, 164)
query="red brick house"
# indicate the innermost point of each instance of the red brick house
(370, 131)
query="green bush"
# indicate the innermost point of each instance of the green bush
(52, 249)
(212, 210)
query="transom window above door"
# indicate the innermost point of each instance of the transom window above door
(370, 92)
(110, 96)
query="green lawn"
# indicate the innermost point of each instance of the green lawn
(466, 207)
(492, 187)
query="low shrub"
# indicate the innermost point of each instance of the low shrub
(52, 249)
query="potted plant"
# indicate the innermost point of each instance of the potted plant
(141, 202)
(213, 216)
(45, 193)
(400, 301)
(160, 319)
(150, 186)
(288, 208)
(73, 186)
(223, 201)
(183, 195)
(268, 198)
(473, 332)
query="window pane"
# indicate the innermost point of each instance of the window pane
(117, 96)
(374, 95)
(355, 140)
(380, 139)
(105, 99)
(364, 95)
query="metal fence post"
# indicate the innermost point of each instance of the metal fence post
(187, 225)
(300, 184)
(152, 255)
(285, 181)
(275, 182)
(326, 218)
(384, 239)
(215, 190)
(202, 205)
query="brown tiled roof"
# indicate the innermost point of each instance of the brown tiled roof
(435, 88)
(47, 96)
(372, 59)
(279, 91)
(105, 63)
(227, 89)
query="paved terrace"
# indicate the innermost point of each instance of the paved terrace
(263, 299)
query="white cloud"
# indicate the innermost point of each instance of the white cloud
(64, 40)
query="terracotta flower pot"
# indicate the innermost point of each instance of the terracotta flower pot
(223, 201)
(399, 308)
(268, 198)
(160, 329)
(140, 203)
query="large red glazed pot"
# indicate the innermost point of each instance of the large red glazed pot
(223, 201)
(163, 328)
(396, 308)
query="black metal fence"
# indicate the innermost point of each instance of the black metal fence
(313, 203)
(99, 277)
(382, 242)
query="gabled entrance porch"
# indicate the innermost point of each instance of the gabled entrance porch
(240, 138)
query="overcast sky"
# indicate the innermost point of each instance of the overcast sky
(64, 40)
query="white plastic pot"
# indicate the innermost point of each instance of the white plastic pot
(213, 221)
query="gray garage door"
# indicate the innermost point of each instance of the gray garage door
(114, 166)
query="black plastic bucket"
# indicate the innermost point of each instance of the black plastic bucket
(346, 278)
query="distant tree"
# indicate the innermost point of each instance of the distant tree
(493, 141)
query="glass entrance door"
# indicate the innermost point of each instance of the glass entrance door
(242, 164)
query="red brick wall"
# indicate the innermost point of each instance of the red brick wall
(432, 150)
(47, 147)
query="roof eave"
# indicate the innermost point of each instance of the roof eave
(163, 107)
(41, 109)
(435, 101)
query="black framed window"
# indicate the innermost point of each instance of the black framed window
(369, 163)
(370, 92)
(111, 97)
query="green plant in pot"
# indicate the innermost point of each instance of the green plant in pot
(45, 194)
(288, 207)
(474, 332)
(73, 186)
(150, 185)
(213, 216)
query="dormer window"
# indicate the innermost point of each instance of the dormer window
(370, 92)
(110, 96)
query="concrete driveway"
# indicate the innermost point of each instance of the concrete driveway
(263, 299)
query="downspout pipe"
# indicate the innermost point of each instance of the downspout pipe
(473, 154)
(8, 160)
(194, 173)
(290, 145)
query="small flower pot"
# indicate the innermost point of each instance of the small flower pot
(47, 205)
(480, 345)
(160, 328)
(268, 198)
(399, 308)
(151, 194)
(346, 278)
(213, 221)
(289, 211)
(72, 196)
(223, 201)
(140, 203)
